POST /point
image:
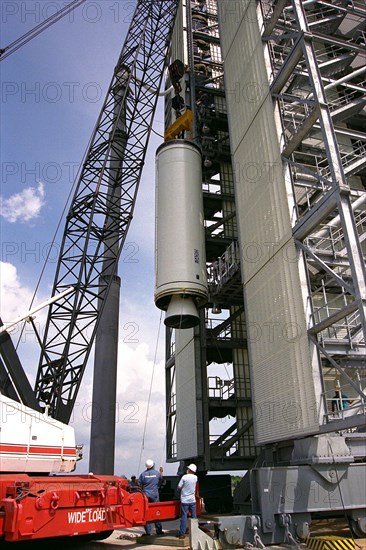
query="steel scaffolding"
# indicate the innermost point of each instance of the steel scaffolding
(315, 61)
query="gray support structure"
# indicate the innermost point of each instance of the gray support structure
(307, 123)
(290, 221)
(210, 365)
(325, 163)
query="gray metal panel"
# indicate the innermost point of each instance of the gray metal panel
(282, 382)
(231, 14)
(187, 446)
(246, 79)
(283, 386)
(262, 196)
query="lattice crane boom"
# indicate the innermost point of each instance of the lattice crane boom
(102, 207)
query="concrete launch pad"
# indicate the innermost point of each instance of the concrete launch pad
(133, 539)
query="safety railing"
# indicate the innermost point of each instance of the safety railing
(221, 270)
(337, 99)
(343, 330)
(219, 388)
(350, 154)
(332, 240)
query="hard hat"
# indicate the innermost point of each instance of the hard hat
(149, 463)
(193, 468)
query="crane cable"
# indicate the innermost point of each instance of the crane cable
(22, 40)
(150, 392)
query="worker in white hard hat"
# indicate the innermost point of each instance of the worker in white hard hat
(187, 487)
(150, 482)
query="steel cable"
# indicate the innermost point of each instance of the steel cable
(28, 36)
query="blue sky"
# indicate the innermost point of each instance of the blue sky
(52, 92)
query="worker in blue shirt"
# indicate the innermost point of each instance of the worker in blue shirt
(150, 481)
(187, 488)
(340, 401)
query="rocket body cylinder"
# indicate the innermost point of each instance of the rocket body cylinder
(180, 261)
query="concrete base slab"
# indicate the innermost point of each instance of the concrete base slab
(114, 541)
(129, 539)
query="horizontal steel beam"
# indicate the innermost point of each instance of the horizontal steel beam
(313, 218)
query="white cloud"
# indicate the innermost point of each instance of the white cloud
(23, 206)
(15, 298)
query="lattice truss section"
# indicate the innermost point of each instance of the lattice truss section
(317, 56)
(102, 207)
